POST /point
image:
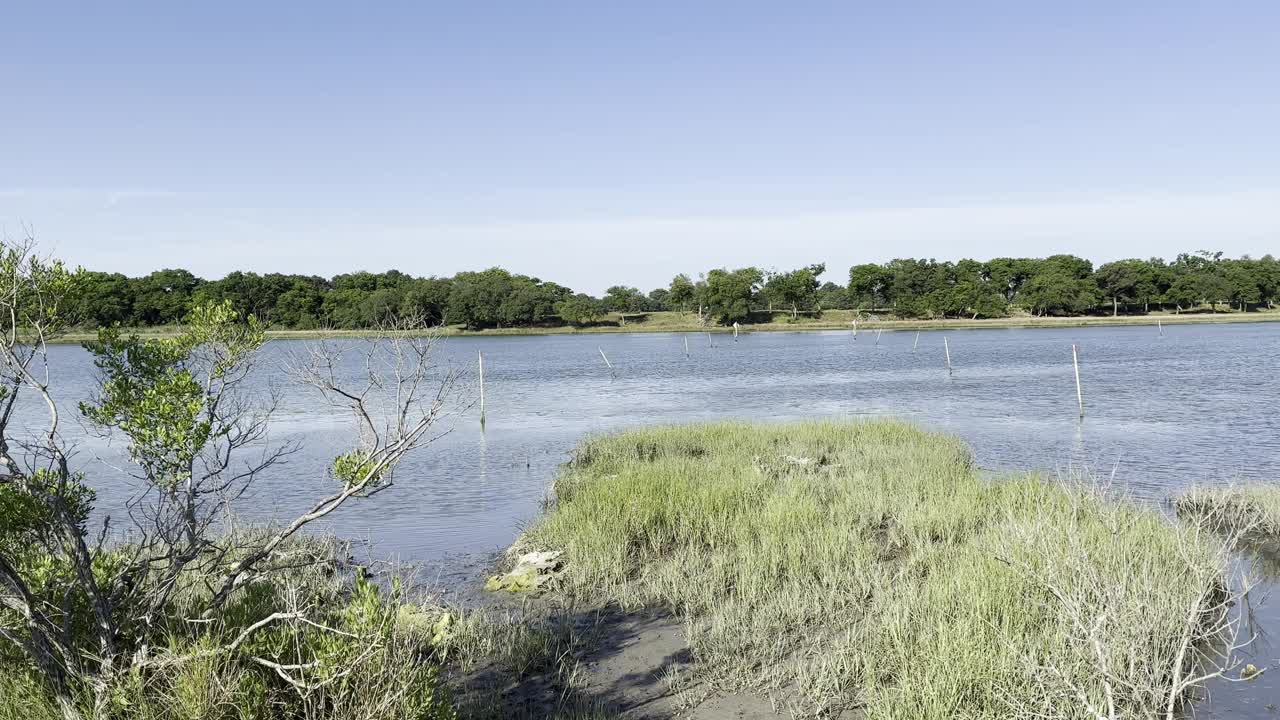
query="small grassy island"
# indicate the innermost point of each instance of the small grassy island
(867, 566)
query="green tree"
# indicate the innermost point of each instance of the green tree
(911, 282)
(682, 292)
(623, 299)
(103, 300)
(869, 286)
(1244, 282)
(580, 309)
(528, 303)
(1123, 281)
(427, 299)
(1154, 280)
(797, 289)
(163, 297)
(1269, 272)
(659, 299)
(342, 308)
(969, 298)
(729, 294)
(382, 306)
(832, 296)
(1058, 293)
(299, 306)
(1186, 291)
(1213, 282)
(1008, 275)
(1068, 265)
(476, 297)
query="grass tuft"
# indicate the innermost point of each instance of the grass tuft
(1252, 509)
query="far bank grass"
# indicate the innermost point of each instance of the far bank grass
(781, 322)
(866, 565)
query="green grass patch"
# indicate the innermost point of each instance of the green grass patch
(866, 564)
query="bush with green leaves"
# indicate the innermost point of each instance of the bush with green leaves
(93, 627)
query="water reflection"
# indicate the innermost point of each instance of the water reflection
(1258, 697)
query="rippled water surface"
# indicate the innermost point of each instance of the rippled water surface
(1196, 405)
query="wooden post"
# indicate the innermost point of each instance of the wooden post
(480, 356)
(1075, 361)
(947, 347)
(607, 363)
(916, 344)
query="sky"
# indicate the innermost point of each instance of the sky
(597, 143)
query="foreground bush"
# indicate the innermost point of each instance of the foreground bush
(171, 623)
(310, 640)
(867, 564)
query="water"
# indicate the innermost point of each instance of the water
(1197, 405)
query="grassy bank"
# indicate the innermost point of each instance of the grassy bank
(866, 565)
(781, 322)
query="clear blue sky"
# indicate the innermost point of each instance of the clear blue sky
(593, 143)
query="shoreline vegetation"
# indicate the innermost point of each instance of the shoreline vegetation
(676, 322)
(905, 289)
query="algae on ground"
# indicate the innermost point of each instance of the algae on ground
(531, 573)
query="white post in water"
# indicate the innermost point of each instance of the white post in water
(1160, 327)
(916, 344)
(735, 331)
(709, 343)
(606, 362)
(855, 328)
(480, 355)
(947, 347)
(878, 331)
(1075, 361)
(686, 347)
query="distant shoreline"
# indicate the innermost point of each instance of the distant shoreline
(673, 322)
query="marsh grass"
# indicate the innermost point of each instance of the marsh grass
(521, 665)
(866, 564)
(1252, 509)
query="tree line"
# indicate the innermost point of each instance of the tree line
(1060, 285)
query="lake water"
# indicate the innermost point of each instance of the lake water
(1196, 405)
(1199, 404)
